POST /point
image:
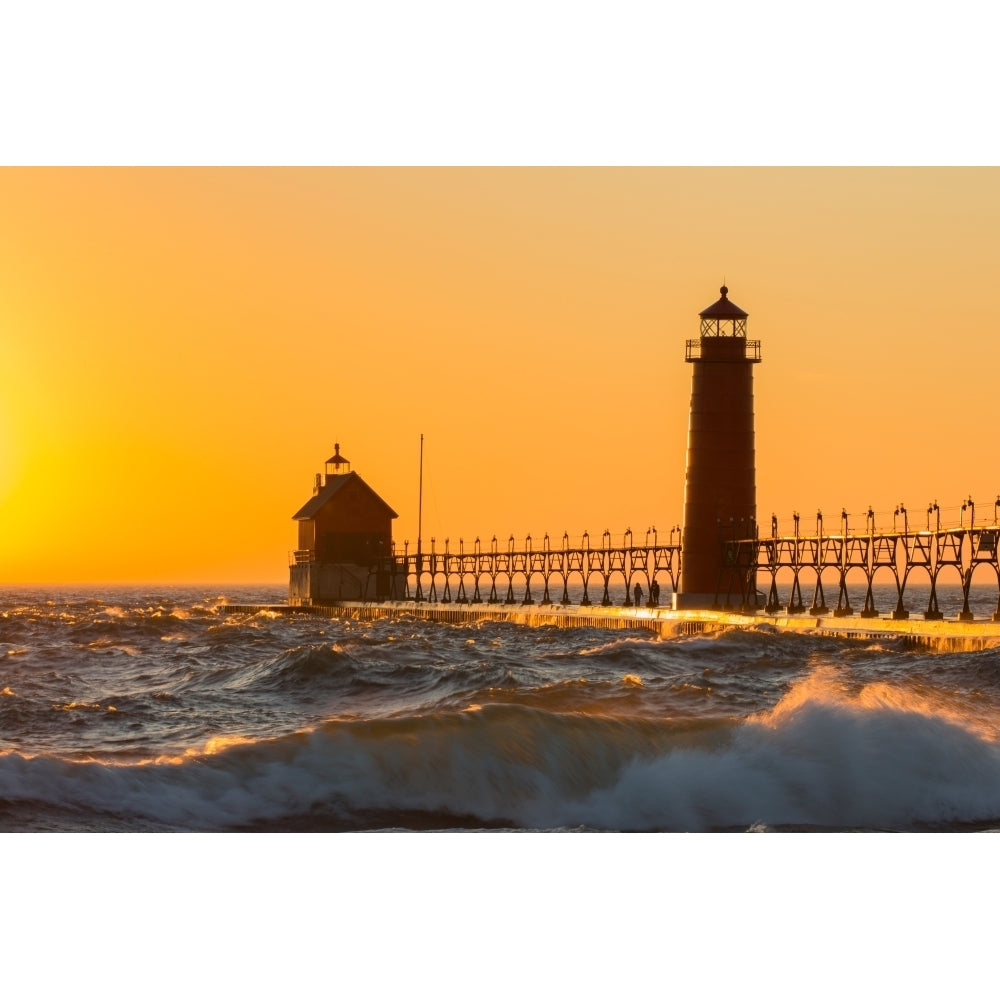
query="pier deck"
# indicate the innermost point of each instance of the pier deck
(946, 634)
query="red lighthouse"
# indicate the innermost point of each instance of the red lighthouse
(720, 492)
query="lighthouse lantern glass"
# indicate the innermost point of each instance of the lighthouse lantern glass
(714, 327)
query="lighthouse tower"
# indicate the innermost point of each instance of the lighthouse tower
(720, 492)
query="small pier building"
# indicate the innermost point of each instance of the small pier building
(345, 535)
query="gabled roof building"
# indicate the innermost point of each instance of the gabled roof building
(345, 538)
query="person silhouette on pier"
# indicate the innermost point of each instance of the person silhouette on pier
(654, 594)
(638, 595)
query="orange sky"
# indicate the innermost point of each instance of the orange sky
(182, 348)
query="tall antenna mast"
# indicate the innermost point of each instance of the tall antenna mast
(420, 500)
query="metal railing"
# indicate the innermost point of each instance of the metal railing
(532, 573)
(903, 557)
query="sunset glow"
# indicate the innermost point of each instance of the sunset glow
(182, 347)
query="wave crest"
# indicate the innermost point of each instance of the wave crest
(825, 756)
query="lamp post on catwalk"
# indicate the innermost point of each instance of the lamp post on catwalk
(720, 492)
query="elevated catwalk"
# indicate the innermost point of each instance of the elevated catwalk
(944, 634)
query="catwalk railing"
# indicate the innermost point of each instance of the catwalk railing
(765, 574)
(897, 558)
(527, 574)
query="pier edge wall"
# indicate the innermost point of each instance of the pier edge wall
(945, 635)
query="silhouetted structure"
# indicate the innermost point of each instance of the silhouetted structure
(346, 551)
(345, 533)
(497, 574)
(925, 555)
(720, 493)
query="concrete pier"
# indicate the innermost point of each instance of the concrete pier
(944, 634)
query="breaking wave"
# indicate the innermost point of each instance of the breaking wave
(829, 756)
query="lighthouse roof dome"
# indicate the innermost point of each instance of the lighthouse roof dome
(723, 309)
